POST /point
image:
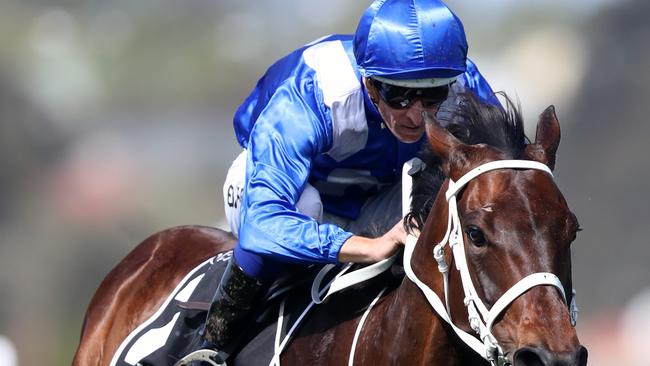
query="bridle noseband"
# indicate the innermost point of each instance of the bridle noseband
(480, 318)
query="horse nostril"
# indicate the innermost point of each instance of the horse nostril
(528, 356)
(577, 358)
(534, 356)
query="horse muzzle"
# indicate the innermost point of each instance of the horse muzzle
(540, 356)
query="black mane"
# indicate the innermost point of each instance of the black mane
(473, 122)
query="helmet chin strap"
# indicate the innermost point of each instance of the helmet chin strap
(481, 319)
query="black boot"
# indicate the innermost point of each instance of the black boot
(236, 297)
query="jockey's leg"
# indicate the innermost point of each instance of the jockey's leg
(380, 212)
(237, 296)
(309, 202)
(247, 275)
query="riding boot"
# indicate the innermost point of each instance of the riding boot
(236, 297)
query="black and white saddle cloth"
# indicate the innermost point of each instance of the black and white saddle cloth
(172, 332)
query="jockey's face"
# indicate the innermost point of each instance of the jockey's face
(407, 124)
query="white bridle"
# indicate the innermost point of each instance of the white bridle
(480, 318)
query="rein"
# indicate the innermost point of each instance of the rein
(480, 318)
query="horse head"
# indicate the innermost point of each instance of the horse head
(513, 224)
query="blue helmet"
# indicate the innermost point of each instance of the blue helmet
(410, 43)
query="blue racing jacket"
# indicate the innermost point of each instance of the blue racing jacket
(310, 119)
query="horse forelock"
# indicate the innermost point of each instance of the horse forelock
(474, 121)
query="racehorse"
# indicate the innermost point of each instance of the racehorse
(503, 221)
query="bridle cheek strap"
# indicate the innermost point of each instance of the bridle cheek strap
(488, 346)
(435, 301)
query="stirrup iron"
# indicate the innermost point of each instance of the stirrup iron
(203, 355)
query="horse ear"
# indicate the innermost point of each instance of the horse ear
(547, 139)
(441, 141)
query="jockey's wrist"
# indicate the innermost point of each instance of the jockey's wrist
(359, 249)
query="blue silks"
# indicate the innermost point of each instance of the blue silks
(309, 119)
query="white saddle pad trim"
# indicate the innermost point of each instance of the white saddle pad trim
(150, 341)
(145, 324)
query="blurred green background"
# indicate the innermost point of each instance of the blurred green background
(115, 123)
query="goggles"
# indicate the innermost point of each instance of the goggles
(399, 97)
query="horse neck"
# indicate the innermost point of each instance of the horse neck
(408, 315)
(435, 226)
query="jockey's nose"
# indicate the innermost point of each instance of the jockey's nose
(538, 356)
(415, 111)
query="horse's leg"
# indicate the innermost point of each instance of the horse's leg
(139, 284)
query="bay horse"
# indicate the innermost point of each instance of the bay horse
(509, 223)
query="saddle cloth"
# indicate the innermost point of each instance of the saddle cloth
(173, 331)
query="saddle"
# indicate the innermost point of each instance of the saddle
(173, 331)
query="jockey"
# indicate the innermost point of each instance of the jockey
(325, 133)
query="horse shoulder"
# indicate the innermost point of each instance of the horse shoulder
(138, 285)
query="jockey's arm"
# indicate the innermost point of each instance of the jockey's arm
(360, 249)
(288, 132)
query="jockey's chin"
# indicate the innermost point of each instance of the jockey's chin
(408, 134)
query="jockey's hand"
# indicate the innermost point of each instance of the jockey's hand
(360, 249)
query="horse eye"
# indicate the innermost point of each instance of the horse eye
(476, 236)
